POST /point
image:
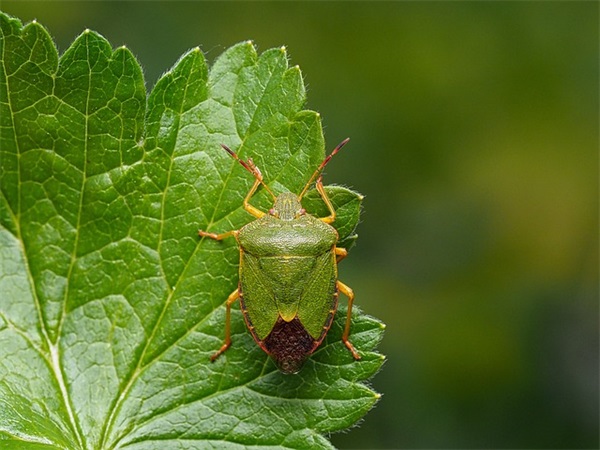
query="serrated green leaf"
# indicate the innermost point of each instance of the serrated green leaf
(110, 304)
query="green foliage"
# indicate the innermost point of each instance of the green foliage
(110, 304)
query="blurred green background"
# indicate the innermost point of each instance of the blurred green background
(474, 131)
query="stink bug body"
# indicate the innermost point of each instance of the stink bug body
(288, 287)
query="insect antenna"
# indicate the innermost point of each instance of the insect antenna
(250, 167)
(322, 166)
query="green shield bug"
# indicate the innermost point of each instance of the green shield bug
(288, 287)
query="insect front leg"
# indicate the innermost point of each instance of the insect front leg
(350, 294)
(217, 237)
(232, 298)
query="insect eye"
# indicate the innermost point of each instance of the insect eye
(273, 212)
(301, 212)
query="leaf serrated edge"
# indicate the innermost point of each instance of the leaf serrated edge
(55, 365)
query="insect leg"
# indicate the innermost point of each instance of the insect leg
(217, 237)
(232, 298)
(341, 253)
(319, 186)
(350, 294)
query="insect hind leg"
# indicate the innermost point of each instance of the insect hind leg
(347, 291)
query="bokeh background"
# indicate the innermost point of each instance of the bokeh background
(474, 131)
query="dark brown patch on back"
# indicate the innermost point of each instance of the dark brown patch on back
(289, 344)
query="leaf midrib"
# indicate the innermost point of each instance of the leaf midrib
(54, 348)
(54, 361)
(139, 369)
